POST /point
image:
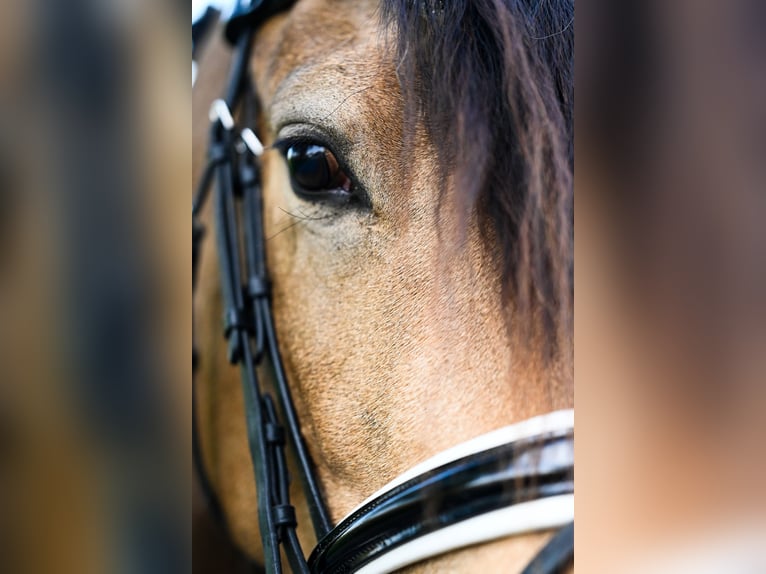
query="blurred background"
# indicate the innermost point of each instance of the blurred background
(95, 268)
(670, 286)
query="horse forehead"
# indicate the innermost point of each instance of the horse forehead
(322, 23)
(325, 41)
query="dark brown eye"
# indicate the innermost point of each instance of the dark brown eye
(314, 169)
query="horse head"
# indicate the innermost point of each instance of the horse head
(417, 207)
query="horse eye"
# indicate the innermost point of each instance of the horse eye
(314, 168)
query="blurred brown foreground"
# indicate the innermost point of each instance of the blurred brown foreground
(671, 286)
(95, 267)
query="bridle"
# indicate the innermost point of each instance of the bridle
(515, 480)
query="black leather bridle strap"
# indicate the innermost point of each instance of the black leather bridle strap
(240, 327)
(248, 324)
(556, 555)
(530, 469)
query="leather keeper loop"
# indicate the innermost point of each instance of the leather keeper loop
(235, 319)
(248, 176)
(258, 287)
(218, 153)
(284, 515)
(275, 434)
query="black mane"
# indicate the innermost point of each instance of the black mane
(494, 80)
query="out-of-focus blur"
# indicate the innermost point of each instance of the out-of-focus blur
(671, 286)
(95, 267)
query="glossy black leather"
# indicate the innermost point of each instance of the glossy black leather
(556, 555)
(521, 471)
(249, 326)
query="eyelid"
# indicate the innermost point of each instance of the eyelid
(283, 143)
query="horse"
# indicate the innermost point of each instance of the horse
(418, 218)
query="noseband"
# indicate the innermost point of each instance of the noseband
(512, 481)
